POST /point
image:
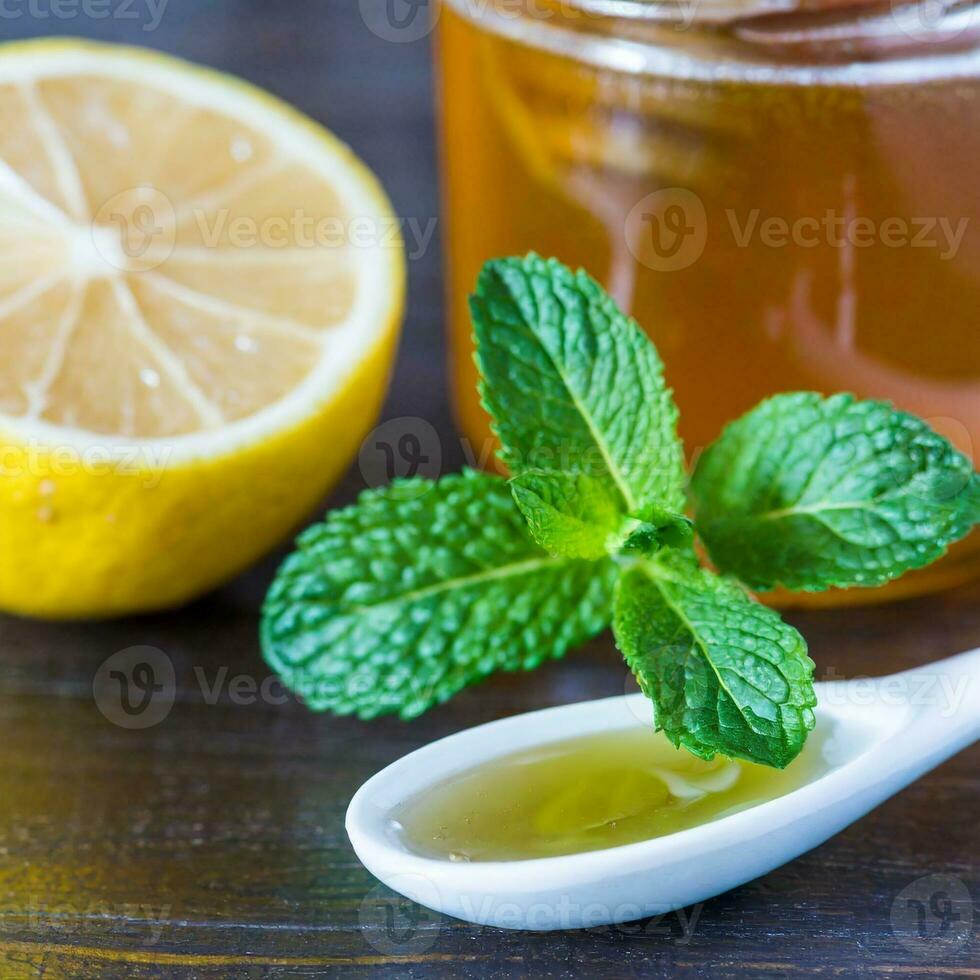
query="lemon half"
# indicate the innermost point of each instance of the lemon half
(200, 295)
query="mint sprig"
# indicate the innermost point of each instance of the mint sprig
(400, 601)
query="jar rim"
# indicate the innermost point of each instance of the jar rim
(797, 42)
(728, 11)
(706, 11)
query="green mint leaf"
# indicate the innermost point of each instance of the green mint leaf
(725, 674)
(570, 514)
(575, 385)
(398, 602)
(810, 492)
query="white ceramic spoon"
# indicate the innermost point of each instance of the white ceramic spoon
(880, 735)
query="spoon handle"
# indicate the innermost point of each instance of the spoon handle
(943, 704)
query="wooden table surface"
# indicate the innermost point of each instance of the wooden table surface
(212, 845)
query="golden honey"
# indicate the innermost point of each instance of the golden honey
(588, 793)
(787, 201)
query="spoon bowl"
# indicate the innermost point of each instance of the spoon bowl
(878, 736)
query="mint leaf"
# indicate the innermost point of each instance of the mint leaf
(569, 514)
(810, 492)
(398, 602)
(575, 385)
(726, 674)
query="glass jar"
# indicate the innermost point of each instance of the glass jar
(784, 194)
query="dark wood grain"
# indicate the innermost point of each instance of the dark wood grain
(212, 844)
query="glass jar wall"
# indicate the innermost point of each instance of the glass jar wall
(783, 200)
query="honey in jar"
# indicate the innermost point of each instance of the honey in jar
(784, 199)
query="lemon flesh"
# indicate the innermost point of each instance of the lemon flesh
(200, 295)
